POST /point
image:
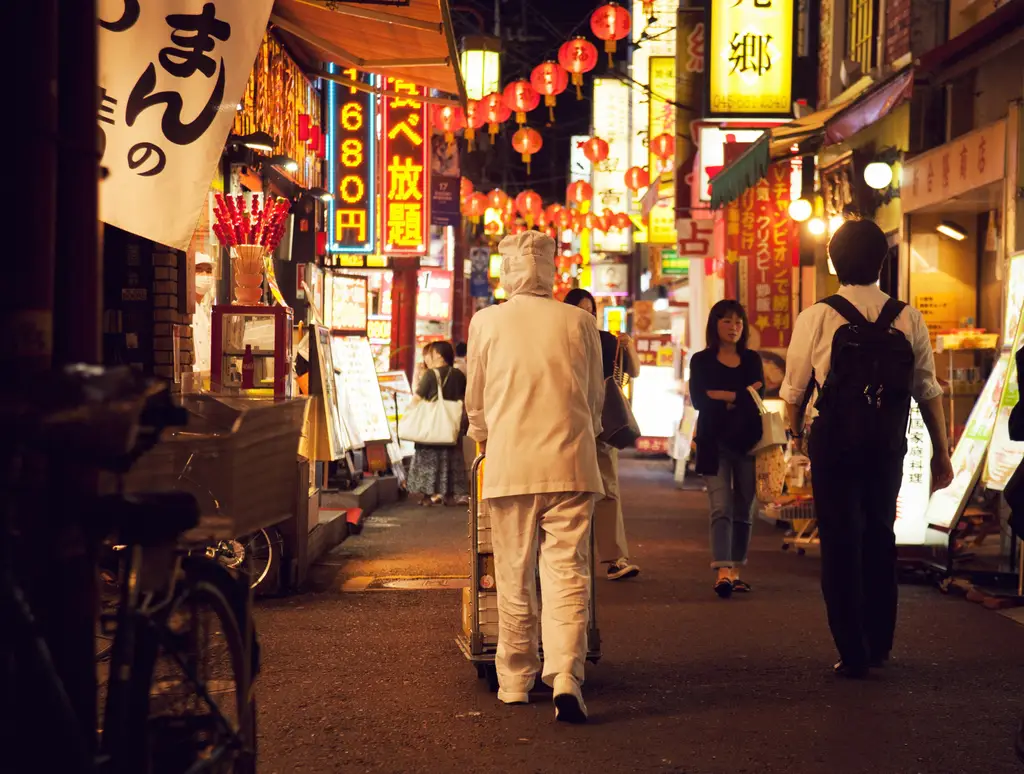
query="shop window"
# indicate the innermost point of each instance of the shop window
(862, 32)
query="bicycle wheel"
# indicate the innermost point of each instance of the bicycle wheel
(194, 692)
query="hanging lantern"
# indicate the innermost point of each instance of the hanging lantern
(579, 192)
(476, 117)
(304, 127)
(552, 232)
(448, 119)
(610, 23)
(475, 205)
(578, 56)
(480, 62)
(520, 98)
(549, 79)
(564, 218)
(527, 142)
(595, 149)
(622, 221)
(465, 187)
(497, 199)
(530, 205)
(648, 8)
(551, 212)
(495, 112)
(637, 178)
(664, 147)
(591, 221)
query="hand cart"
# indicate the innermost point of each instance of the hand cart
(478, 639)
(803, 525)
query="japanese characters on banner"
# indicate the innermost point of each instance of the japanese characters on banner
(170, 77)
(351, 166)
(611, 123)
(915, 491)
(696, 242)
(406, 145)
(968, 162)
(661, 225)
(759, 233)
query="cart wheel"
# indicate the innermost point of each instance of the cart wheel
(785, 546)
(801, 551)
(491, 673)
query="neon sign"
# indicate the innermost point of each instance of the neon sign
(351, 165)
(405, 141)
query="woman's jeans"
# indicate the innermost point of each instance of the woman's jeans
(731, 492)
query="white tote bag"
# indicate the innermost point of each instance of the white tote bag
(770, 463)
(773, 428)
(433, 422)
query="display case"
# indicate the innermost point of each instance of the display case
(252, 350)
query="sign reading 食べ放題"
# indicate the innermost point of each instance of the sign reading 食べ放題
(406, 145)
(750, 57)
(170, 78)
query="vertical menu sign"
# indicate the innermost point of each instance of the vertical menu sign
(405, 135)
(351, 167)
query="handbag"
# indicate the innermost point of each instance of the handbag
(770, 459)
(619, 426)
(434, 422)
(773, 429)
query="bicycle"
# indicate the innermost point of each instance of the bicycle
(183, 654)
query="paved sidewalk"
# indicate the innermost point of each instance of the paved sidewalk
(372, 680)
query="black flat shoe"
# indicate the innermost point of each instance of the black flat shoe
(723, 588)
(741, 587)
(878, 662)
(849, 671)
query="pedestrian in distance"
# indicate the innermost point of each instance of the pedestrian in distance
(609, 529)
(534, 402)
(867, 355)
(728, 426)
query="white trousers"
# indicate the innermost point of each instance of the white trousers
(560, 524)
(609, 530)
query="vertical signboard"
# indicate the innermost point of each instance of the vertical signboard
(661, 228)
(916, 489)
(579, 164)
(444, 182)
(404, 158)
(351, 166)
(611, 124)
(750, 58)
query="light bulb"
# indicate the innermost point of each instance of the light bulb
(800, 210)
(878, 175)
(816, 226)
(834, 223)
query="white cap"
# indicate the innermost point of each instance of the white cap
(203, 258)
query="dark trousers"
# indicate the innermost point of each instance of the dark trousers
(855, 505)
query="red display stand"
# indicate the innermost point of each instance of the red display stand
(236, 328)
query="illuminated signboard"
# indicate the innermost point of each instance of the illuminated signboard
(405, 141)
(712, 152)
(351, 166)
(661, 119)
(378, 330)
(750, 57)
(347, 303)
(434, 300)
(579, 164)
(611, 124)
(353, 261)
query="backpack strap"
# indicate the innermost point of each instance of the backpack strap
(892, 309)
(846, 310)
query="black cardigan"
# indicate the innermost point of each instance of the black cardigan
(736, 429)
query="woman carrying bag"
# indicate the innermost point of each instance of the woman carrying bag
(438, 470)
(728, 428)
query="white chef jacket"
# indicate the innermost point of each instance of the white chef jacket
(811, 346)
(202, 334)
(535, 384)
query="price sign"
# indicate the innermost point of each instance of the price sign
(352, 129)
(347, 303)
(405, 140)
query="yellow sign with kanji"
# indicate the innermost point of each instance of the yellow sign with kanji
(351, 168)
(406, 170)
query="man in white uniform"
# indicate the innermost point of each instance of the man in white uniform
(534, 401)
(202, 318)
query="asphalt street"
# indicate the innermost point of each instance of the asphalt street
(359, 678)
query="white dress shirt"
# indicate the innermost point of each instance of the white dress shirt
(810, 351)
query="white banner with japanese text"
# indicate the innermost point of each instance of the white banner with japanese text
(170, 78)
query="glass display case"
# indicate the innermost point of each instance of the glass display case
(251, 350)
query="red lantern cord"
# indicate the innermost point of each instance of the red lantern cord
(520, 98)
(578, 56)
(527, 142)
(610, 23)
(549, 79)
(595, 149)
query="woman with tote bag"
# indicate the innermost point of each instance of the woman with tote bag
(438, 472)
(729, 426)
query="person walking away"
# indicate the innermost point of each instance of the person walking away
(534, 403)
(609, 529)
(439, 472)
(460, 356)
(868, 354)
(728, 426)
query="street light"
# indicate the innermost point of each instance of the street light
(481, 65)
(878, 175)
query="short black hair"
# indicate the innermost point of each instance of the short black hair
(720, 311)
(445, 350)
(461, 349)
(858, 249)
(574, 296)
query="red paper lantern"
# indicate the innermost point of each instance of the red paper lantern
(578, 56)
(530, 205)
(527, 142)
(495, 112)
(475, 205)
(448, 119)
(520, 98)
(664, 147)
(579, 192)
(595, 149)
(314, 138)
(637, 178)
(621, 221)
(610, 23)
(476, 117)
(564, 218)
(304, 127)
(497, 199)
(321, 148)
(551, 212)
(552, 232)
(549, 79)
(465, 187)
(591, 221)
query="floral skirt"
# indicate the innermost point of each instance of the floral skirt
(438, 470)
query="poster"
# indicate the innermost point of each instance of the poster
(947, 504)
(445, 209)
(347, 303)
(362, 405)
(479, 281)
(170, 77)
(397, 396)
(434, 299)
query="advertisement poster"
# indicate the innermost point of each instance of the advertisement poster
(362, 406)
(946, 504)
(479, 283)
(444, 182)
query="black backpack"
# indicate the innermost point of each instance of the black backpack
(864, 405)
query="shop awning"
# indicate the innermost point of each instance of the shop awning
(413, 42)
(869, 107)
(1000, 23)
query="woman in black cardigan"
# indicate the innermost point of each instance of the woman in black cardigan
(728, 426)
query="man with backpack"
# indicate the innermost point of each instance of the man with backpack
(868, 355)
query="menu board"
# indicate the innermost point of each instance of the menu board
(338, 439)
(397, 396)
(1005, 455)
(347, 303)
(947, 504)
(915, 491)
(358, 377)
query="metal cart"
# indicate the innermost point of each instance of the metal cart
(803, 524)
(478, 639)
